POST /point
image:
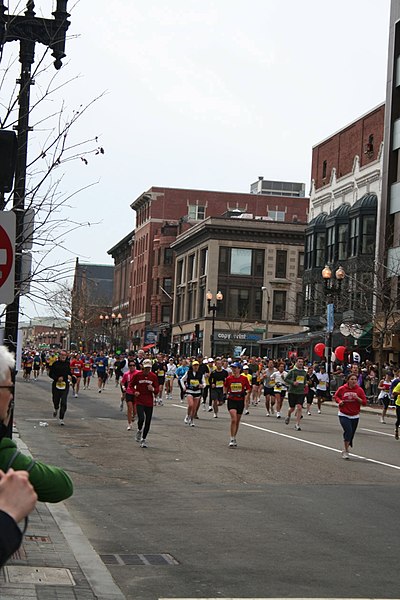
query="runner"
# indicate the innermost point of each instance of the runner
(237, 389)
(146, 387)
(350, 397)
(36, 366)
(296, 378)
(280, 387)
(193, 385)
(181, 370)
(160, 369)
(87, 371)
(217, 380)
(101, 363)
(322, 389)
(246, 373)
(169, 378)
(384, 394)
(129, 393)
(76, 365)
(60, 373)
(111, 364)
(396, 395)
(311, 384)
(268, 387)
(27, 364)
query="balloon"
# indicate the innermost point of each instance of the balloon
(339, 352)
(319, 349)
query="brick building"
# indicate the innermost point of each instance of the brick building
(122, 255)
(164, 213)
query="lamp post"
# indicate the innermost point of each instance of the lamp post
(115, 323)
(27, 29)
(213, 308)
(104, 319)
(332, 291)
(265, 289)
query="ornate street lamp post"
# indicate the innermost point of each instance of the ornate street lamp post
(332, 292)
(27, 29)
(213, 308)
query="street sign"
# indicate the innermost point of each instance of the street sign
(7, 255)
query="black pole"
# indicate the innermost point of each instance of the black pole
(213, 308)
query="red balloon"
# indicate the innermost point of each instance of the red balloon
(319, 349)
(339, 352)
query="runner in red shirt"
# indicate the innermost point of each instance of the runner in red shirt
(237, 389)
(146, 386)
(129, 392)
(76, 364)
(87, 371)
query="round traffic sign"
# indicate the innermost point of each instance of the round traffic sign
(6, 256)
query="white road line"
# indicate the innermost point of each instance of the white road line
(297, 439)
(373, 431)
(302, 441)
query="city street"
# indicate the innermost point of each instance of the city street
(280, 516)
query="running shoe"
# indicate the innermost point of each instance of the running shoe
(287, 420)
(191, 423)
(383, 420)
(267, 414)
(278, 415)
(246, 412)
(129, 428)
(55, 413)
(204, 406)
(143, 443)
(138, 436)
(75, 395)
(297, 427)
(309, 414)
(99, 391)
(319, 412)
(186, 420)
(210, 409)
(62, 422)
(345, 455)
(232, 443)
(215, 416)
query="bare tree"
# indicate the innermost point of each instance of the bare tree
(51, 150)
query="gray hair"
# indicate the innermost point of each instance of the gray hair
(7, 362)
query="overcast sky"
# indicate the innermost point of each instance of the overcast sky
(210, 95)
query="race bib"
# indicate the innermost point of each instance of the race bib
(271, 382)
(300, 378)
(322, 385)
(100, 364)
(61, 385)
(87, 366)
(194, 382)
(219, 384)
(77, 370)
(236, 387)
(161, 373)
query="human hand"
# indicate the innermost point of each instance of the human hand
(17, 496)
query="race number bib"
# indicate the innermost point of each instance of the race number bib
(219, 384)
(300, 379)
(236, 388)
(61, 385)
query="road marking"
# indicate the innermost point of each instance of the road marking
(230, 598)
(373, 431)
(302, 441)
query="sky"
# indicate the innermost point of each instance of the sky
(206, 95)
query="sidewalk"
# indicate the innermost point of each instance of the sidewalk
(55, 561)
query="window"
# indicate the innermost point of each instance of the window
(276, 215)
(189, 305)
(368, 235)
(309, 250)
(166, 313)
(257, 304)
(279, 306)
(258, 267)
(343, 231)
(280, 264)
(320, 249)
(324, 166)
(240, 261)
(167, 284)
(330, 245)
(168, 253)
(196, 212)
(179, 272)
(203, 261)
(191, 267)
(238, 302)
(300, 264)
(223, 260)
(299, 305)
(178, 308)
(354, 233)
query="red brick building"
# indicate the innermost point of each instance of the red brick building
(163, 213)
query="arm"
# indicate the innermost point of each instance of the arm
(51, 484)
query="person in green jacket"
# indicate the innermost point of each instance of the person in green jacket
(50, 483)
(296, 380)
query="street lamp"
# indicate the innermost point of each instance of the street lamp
(27, 29)
(332, 291)
(265, 289)
(115, 323)
(104, 319)
(213, 308)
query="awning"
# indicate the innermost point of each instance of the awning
(295, 338)
(148, 347)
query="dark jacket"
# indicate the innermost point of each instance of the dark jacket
(60, 368)
(10, 537)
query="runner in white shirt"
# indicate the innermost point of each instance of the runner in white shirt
(279, 387)
(169, 378)
(322, 389)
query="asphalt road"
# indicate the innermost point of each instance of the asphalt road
(281, 516)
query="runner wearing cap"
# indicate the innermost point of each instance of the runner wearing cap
(217, 379)
(145, 385)
(237, 388)
(192, 383)
(246, 373)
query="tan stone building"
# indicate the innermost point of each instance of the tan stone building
(256, 264)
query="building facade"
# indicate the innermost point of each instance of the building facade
(162, 214)
(256, 265)
(122, 256)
